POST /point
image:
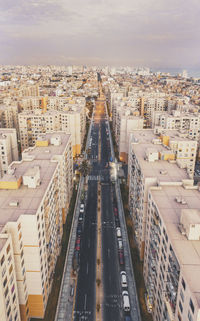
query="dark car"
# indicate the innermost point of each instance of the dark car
(127, 318)
(121, 257)
(117, 223)
(79, 229)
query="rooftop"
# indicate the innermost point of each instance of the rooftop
(187, 251)
(28, 199)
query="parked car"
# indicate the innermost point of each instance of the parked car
(121, 257)
(118, 230)
(126, 302)
(79, 229)
(123, 279)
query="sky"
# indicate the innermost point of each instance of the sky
(152, 33)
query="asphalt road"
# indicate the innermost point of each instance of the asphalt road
(111, 271)
(86, 284)
(85, 303)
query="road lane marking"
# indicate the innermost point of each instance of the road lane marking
(108, 253)
(89, 243)
(87, 269)
(85, 302)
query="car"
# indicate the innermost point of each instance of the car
(115, 211)
(80, 217)
(82, 206)
(123, 279)
(79, 229)
(78, 240)
(127, 318)
(118, 231)
(78, 246)
(121, 257)
(120, 244)
(126, 302)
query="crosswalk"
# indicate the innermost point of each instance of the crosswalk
(95, 177)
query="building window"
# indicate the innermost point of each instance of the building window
(180, 306)
(8, 249)
(183, 283)
(182, 295)
(190, 316)
(2, 260)
(192, 306)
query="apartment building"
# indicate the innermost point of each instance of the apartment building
(172, 253)
(8, 149)
(9, 116)
(9, 301)
(150, 103)
(34, 123)
(188, 123)
(33, 209)
(126, 122)
(58, 147)
(150, 163)
(28, 90)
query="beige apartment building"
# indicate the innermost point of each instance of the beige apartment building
(126, 122)
(34, 123)
(9, 116)
(33, 209)
(188, 123)
(8, 149)
(9, 301)
(172, 253)
(151, 162)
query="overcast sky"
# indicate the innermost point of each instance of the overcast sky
(154, 33)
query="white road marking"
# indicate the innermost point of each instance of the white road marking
(108, 253)
(87, 269)
(89, 243)
(85, 302)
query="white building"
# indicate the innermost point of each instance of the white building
(172, 253)
(34, 200)
(8, 149)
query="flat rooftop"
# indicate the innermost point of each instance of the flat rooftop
(49, 151)
(187, 252)
(29, 198)
(157, 168)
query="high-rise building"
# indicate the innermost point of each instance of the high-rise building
(8, 149)
(172, 255)
(34, 199)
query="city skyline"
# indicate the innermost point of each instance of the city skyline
(155, 34)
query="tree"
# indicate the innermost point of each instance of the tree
(84, 168)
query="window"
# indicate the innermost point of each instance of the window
(10, 269)
(190, 316)
(192, 306)
(2, 260)
(183, 283)
(180, 306)
(8, 249)
(182, 295)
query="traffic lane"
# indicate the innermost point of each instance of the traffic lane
(86, 285)
(105, 147)
(111, 276)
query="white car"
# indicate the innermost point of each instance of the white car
(126, 302)
(123, 279)
(82, 208)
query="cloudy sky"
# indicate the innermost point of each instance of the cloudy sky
(154, 33)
